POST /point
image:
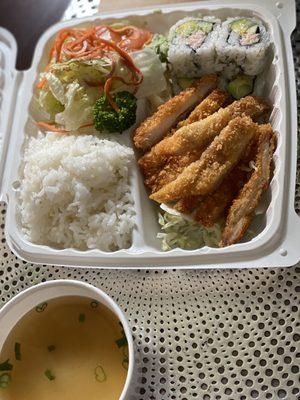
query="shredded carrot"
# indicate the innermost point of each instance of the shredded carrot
(51, 127)
(56, 129)
(129, 37)
(41, 83)
(96, 42)
(85, 125)
(107, 86)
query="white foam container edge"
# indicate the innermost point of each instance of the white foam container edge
(276, 245)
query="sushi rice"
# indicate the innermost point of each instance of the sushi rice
(192, 46)
(242, 52)
(203, 45)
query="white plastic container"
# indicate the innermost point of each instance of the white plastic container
(276, 229)
(15, 310)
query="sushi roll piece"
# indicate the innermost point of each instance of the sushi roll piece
(192, 46)
(242, 46)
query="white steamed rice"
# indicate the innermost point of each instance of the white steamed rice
(75, 193)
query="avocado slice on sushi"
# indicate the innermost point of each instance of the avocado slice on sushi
(205, 26)
(242, 26)
(187, 28)
(253, 29)
(241, 86)
(190, 27)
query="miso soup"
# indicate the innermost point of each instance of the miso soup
(71, 348)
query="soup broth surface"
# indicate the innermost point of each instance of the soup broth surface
(70, 348)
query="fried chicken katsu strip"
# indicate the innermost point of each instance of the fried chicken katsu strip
(171, 170)
(209, 209)
(187, 205)
(212, 103)
(154, 128)
(175, 165)
(214, 206)
(203, 176)
(242, 209)
(198, 135)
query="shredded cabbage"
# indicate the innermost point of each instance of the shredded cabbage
(186, 234)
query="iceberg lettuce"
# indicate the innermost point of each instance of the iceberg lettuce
(72, 89)
(49, 103)
(153, 71)
(92, 71)
(78, 106)
(74, 86)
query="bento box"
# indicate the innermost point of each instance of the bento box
(275, 227)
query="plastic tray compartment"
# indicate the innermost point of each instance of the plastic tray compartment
(275, 239)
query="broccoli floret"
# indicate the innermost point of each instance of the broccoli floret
(107, 119)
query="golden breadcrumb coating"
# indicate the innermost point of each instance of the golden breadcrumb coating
(203, 176)
(154, 128)
(241, 212)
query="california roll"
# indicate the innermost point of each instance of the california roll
(192, 46)
(241, 46)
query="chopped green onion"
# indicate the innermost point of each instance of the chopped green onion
(41, 307)
(121, 342)
(6, 366)
(125, 351)
(49, 374)
(81, 318)
(18, 351)
(125, 363)
(94, 304)
(100, 374)
(4, 380)
(51, 348)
